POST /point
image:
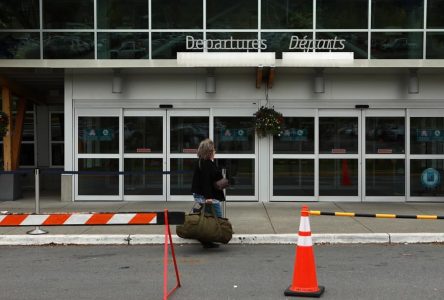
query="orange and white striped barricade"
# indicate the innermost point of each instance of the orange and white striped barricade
(95, 219)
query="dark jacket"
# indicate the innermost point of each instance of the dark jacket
(204, 177)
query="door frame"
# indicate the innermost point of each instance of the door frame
(358, 156)
(204, 112)
(96, 112)
(146, 113)
(421, 113)
(239, 112)
(383, 113)
(303, 113)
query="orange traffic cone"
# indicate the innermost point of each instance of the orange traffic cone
(305, 283)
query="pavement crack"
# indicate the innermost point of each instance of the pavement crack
(268, 216)
(128, 239)
(354, 218)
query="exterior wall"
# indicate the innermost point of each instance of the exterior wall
(236, 89)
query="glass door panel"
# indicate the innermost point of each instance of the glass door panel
(234, 135)
(149, 181)
(338, 135)
(143, 134)
(97, 149)
(385, 177)
(293, 177)
(96, 184)
(144, 155)
(241, 175)
(384, 165)
(339, 155)
(181, 176)
(426, 178)
(338, 177)
(236, 148)
(426, 155)
(293, 162)
(384, 135)
(185, 130)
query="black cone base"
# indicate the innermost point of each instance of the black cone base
(317, 294)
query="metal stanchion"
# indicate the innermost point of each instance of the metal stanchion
(37, 229)
(224, 175)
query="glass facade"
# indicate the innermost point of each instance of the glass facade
(118, 29)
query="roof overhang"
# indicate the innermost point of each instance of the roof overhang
(173, 63)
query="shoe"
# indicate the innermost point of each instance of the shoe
(208, 245)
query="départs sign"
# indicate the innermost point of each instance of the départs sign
(296, 43)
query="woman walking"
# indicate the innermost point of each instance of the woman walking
(206, 173)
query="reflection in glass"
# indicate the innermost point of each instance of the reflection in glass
(399, 14)
(68, 14)
(177, 14)
(28, 127)
(57, 154)
(435, 45)
(239, 41)
(122, 14)
(65, 45)
(284, 14)
(234, 134)
(293, 177)
(187, 132)
(385, 177)
(27, 155)
(396, 45)
(338, 177)
(338, 135)
(98, 184)
(165, 45)
(181, 175)
(297, 138)
(355, 14)
(16, 45)
(240, 173)
(232, 14)
(355, 42)
(122, 45)
(98, 135)
(280, 41)
(426, 135)
(384, 135)
(434, 13)
(23, 14)
(57, 127)
(144, 184)
(426, 177)
(143, 134)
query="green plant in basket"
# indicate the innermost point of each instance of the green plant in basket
(268, 122)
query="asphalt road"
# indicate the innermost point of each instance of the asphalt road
(230, 272)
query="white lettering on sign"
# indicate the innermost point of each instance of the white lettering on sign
(225, 44)
(296, 43)
(306, 44)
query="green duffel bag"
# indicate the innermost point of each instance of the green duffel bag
(205, 227)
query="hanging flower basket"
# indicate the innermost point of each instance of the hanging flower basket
(3, 124)
(268, 122)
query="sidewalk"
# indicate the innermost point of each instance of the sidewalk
(253, 222)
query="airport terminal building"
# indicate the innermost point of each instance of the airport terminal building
(135, 85)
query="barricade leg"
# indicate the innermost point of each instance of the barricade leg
(169, 240)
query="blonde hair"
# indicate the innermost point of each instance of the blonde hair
(206, 149)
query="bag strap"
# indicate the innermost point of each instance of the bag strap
(213, 212)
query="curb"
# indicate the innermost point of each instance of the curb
(238, 239)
